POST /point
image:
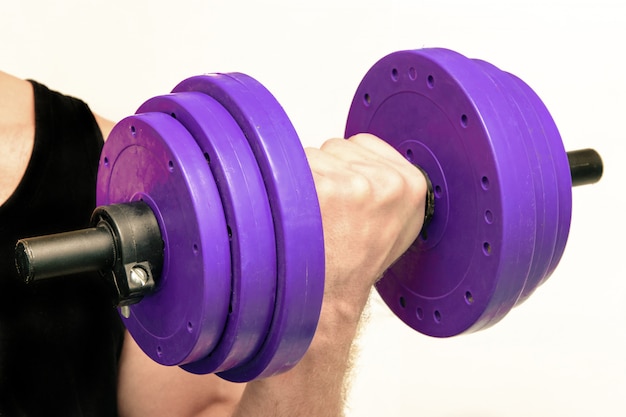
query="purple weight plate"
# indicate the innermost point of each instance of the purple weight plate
(439, 109)
(141, 161)
(563, 174)
(249, 221)
(297, 219)
(559, 188)
(541, 162)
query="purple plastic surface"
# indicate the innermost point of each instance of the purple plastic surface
(558, 156)
(140, 161)
(524, 122)
(494, 231)
(249, 220)
(552, 173)
(296, 213)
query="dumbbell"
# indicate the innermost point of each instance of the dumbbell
(501, 181)
(209, 229)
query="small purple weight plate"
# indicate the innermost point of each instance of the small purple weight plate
(140, 161)
(296, 213)
(544, 176)
(563, 174)
(446, 115)
(249, 220)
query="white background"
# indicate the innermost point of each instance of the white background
(563, 352)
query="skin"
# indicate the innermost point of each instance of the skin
(372, 202)
(17, 130)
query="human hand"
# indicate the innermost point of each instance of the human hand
(372, 201)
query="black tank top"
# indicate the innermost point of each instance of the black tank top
(60, 340)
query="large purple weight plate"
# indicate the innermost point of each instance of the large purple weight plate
(249, 221)
(296, 213)
(141, 161)
(446, 115)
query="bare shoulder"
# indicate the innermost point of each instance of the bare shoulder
(15, 89)
(17, 131)
(105, 125)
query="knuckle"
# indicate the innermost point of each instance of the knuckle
(333, 144)
(360, 187)
(392, 183)
(363, 138)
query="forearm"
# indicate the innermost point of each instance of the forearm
(317, 385)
